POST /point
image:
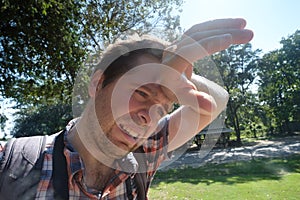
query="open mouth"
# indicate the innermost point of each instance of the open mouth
(128, 131)
(132, 131)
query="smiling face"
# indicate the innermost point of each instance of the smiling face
(133, 121)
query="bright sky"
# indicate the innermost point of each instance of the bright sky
(270, 20)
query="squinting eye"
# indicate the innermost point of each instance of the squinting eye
(141, 93)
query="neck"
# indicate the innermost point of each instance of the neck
(96, 174)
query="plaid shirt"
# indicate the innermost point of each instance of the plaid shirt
(155, 151)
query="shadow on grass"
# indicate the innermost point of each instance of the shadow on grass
(232, 173)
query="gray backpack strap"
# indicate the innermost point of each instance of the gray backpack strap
(20, 167)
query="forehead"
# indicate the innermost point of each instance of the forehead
(154, 88)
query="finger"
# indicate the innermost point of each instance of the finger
(184, 56)
(205, 47)
(238, 36)
(231, 23)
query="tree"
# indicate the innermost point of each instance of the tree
(279, 87)
(3, 120)
(106, 21)
(3, 117)
(44, 43)
(45, 120)
(40, 50)
(236, 67)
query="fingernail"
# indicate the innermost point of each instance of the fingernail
(243, 23)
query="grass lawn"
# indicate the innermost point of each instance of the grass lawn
(275, 179)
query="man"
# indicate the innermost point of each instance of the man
(113, 150)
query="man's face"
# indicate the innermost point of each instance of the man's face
(127, 124)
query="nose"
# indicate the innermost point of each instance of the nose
(143, 117)
(154, 114)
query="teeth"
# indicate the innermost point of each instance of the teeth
(128, 131)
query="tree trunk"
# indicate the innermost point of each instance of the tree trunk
(235, 122)
(237, 129)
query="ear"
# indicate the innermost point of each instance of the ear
(96, 82)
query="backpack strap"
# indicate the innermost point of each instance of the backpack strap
(60, 172)
(128, 183)
(140, 179)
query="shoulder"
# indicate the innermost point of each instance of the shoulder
(24, 148)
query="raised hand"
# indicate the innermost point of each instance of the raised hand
(205, 39)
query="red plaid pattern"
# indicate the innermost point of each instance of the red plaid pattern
(154, 147)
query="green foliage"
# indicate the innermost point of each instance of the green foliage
(236, 70)
(3, 120)
(44, 44)
(106, 21)
(279, 89)
(40, 50)
(3, 117)
(44, 120)
(276, 104)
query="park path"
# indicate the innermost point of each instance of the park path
(282, 147)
